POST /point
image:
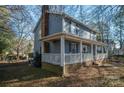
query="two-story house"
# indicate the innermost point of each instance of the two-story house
(63, 40)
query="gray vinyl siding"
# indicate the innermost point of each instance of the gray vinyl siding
(55, 24)
(37, 43)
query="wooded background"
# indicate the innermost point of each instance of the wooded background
(17, 24)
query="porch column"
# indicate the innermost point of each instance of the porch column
(102, 49)
(106, 48)
(63, 53)
(92, 51)
(95, 51)
(42, 46)
(42, 51)
(81, 51)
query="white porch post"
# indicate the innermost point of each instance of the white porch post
(42, 46)
(102, 49)
(42, 51)
(107, 52)
(81, 51)
(92, 51)
(95, 51)
(63, 53)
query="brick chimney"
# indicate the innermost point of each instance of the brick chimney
(44, 20)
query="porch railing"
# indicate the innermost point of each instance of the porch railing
(87, 57)
(101, 56)
(81, 35)
(72, 58)
(53, 58)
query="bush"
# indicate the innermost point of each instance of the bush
(37, 60)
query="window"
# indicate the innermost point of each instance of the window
(86, 34)
(73, 28)
(86, 48)
(104, 49)
(94, 37)
(89, 48)
(99, 49)
(77, 30)
(73, 47)
(66, 25)
(81, 32)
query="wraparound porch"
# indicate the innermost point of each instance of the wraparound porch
(57, 50)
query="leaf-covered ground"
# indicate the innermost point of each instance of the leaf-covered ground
(23, 75)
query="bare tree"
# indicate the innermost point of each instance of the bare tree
(22, 23)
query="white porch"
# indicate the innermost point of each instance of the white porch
(63, 58)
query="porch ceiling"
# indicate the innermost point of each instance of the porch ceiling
(71, 37)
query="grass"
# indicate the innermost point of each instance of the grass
(17, 73)
(23, 75)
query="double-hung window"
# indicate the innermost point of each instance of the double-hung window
(73, 28)
(66, 25)
(73, 47)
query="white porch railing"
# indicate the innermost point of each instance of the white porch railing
(72, 58)
(52, 58)
(101, 56)
(81, 35)
(87, 57)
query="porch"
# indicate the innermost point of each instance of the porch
(63, 49)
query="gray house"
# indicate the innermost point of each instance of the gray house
(63, 40)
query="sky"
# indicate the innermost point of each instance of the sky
(87, 9)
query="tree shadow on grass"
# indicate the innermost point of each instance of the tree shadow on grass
(16, 72)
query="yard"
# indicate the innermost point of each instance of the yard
(23, 75)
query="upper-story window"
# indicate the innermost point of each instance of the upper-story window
(86, 34)
(93, 36)
(66, 25)
(77, 30)
(73, 28)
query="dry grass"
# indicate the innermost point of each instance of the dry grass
(21, 74)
